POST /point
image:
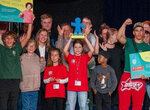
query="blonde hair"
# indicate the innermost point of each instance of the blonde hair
(111, 31)
(45, 16)
(32, 41)
(47, 43)
(49, 62)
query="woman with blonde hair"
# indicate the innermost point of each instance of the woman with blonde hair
(43, 47)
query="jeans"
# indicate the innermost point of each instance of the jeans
(72, 97)
(29, 100)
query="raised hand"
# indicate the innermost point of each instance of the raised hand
(128, 21)
(103, 46)
(60, 31)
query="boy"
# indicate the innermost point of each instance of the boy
(103, 82)
(10, 69)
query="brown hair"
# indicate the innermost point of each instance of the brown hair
(146, 22)
(28, 3)
(45, 16)
(49, 62)
(47, 44)
(9, 33)
(77, 41)
(102, 27)
(111, 31)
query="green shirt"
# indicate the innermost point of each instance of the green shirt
(10, 66)
(129, 48)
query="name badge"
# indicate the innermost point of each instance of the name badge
(77, 83)
(56, 86)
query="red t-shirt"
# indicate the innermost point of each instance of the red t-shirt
(54, 89)
(78, 77)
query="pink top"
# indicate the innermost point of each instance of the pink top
(28, 16)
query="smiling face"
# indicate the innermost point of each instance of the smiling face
(77, 49)
(43, 36)
(9, 41)
(55, 56)
(67, 30)
(31, 47)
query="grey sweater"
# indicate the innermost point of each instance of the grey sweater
(104, 79)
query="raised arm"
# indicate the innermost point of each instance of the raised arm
(24, 42)
(121, 33)
(96, 48)
(65, 51)
(89, 45)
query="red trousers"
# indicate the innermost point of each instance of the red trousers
(131, 88)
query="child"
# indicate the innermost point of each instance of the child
(78, 77)
(32, 66)
(10, 69)
(27, 14)
(55, 76)
(103, 82)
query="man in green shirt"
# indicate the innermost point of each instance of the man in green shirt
(10, 69)
(131, 88)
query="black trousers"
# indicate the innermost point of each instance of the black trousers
(103, 101)
(9, 94)
(58, 102)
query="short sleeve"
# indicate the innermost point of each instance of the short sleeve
(88, 57)
(18, 47)
(46, 76)
(65, 72)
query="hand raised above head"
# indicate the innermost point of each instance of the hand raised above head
(128, 21)
(60, 31)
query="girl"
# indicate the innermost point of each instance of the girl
(43, 46)
(32, 66)
(78, 79)
(55, 76)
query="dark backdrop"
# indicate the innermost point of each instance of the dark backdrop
(67, 10)
(113, 12)
(116, 11)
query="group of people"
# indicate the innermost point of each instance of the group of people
(48, 76)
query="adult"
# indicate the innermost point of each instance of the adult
(128, 87)
(46, 23)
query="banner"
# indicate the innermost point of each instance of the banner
(16, 11)
(140, 64)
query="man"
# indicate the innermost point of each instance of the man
(46, 23)
(128, 87)
(64, 31)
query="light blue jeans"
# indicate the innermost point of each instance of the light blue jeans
(72, 97)
(29, 100)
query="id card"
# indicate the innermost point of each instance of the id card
(56, 86)
(77, 83)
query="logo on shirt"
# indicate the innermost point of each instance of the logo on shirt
(50, 72)
(103, 79)
(128, 85)
(73, 61)
(14, 52)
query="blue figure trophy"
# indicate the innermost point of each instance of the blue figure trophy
(78, 25)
